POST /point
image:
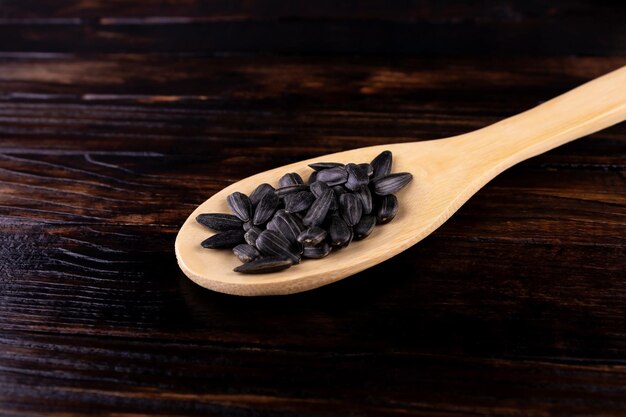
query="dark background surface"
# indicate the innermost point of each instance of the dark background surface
(118, 117)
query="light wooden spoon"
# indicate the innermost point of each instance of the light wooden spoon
(447, 172)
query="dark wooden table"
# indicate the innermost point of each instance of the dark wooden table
(115, 122)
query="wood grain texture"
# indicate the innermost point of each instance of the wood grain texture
(516, 306)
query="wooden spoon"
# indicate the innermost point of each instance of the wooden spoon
(447, 172)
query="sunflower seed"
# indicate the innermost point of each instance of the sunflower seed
(247, 226)
(246, 253)
(365, 196)
(298, 201)
(227, 239)
(219, 222)
(283, 191)
(312, 178)
(333, 176)
(264, 265)
(382, 164)
(312, 236)
(364, 227)
(240, 204)
(290, 178)
(288, 226)
(317, 212)
(387, 209)
(339, 233)
(316, 252)
(272, 243)
(251, 235)
(368, 168)
(265, 209)
(392, 183)
(260, 192)
(318, 188)
(357, 177)
(350, 208)
(318, 166)
(339, 189)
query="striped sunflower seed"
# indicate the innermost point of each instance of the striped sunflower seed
(246, 253)
(392, 183)
(264, 265)
(350, 208)
(387, 209)
(312, 236)
(223, 240)
(290, 178)
(318, 166)
(251, 235)
(368, 168)
(287, 226)
(260, 192)
(219, 222)
(265, 209)
(357, 177)
(317, 212)
(364, 227)
(333, 176)
(298, 201)
(365, 196)
(316, 252)
(272, 243)
(240, 205)
(339, 233)
(290, 189)
(382, 164)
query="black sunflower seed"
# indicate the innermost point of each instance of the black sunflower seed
(290, 178)
(260, 192)
(387, 209)
(298, 201)
(222, 240)
(312, 178)
(382, 164)
(219, 222)
(312, 236)
(272, 243)
(339, 233)
(364, 227)
(365, 196)
(392, 183)
(368, 168)
(339, 189)
(283, 191)
(318, 166)
(318, 188)
(333, 176)
(247, 226)
(287, 226)
(317, 212)
(357, 177)
(350, 208)
(265, 209)
(246, 253)
(240, 204)
(251, 235)
(316, 252)
(264, 265)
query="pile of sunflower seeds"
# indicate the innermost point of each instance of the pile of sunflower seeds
(274, 228)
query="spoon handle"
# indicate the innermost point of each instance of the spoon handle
(593, 106)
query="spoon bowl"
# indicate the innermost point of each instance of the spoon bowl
(446, 173)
